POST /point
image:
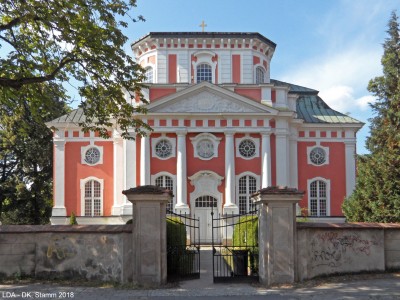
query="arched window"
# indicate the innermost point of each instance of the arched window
(247, 187)
(168, 183)
(318, 200)
(206, 201)
(93, 198)
(260, 75)
(204, 73)
(149, 75)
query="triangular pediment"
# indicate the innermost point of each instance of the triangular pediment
(207, 98)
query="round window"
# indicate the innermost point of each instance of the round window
(205, 148)
(163, 149)
(247, 148)
(318, 156)
(92, 156)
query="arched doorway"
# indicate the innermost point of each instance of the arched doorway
(204, 199)
(204, 205)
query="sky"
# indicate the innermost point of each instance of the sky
(333, 46)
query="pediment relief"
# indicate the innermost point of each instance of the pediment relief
(207, 102)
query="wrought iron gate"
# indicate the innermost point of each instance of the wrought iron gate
(183, 247)
(235, 248)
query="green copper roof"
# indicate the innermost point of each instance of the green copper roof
(75, 116)
(293, 87)
(312, 109)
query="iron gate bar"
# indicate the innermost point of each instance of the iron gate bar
(183, 247)
(235, 260)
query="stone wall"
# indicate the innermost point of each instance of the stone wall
(325, 249)
(91, 252)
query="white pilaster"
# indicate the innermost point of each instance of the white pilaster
(181, 174)
(265, 159)
(145, 160)
(293, 162)
(118, 163)
(230, 206)
(282, 152)
(59, 179)
(350, 154)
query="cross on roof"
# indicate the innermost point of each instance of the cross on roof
(202, 25)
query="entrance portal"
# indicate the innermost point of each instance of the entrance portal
(204, 205)
(205, 198)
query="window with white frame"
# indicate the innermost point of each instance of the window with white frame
(247, 147)
(318, 198)
(167, 182)
(318, 155)
(204, 73)
(247, 186)
(93, 198)
(260, 75)
(149, 75)
(92, 155)
(163, 147)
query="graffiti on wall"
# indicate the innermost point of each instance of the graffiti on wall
(61, 249)
(335, 249)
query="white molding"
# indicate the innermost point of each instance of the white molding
(326, 149)
(220, 92)
(204, 57)
(256, 142)
(86, 148)
(328, 193)
(82, 189)
(206, 184)
(154, 142)
(195, 140)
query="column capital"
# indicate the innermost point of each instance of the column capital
(59, 143)
(181, 132)
(229, 132)
(266, 132)
(281, 132)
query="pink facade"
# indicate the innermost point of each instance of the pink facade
(222, 130)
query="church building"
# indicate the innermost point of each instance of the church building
(222, 129)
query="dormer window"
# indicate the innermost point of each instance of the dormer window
(260, 75)
(149, 75)
(204, 73)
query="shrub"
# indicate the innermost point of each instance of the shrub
(72, 219)
(245, 237)
(176, 245)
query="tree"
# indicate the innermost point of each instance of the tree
(63, 40)
(26, 153)
(377, 194)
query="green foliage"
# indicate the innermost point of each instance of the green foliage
(73, 41)
(377, 194)
(176, 233)
(245, 232)
(72, 219)
(177, 256)
(245, 237)
(26, 154)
